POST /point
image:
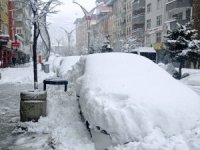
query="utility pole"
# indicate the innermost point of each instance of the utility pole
(88, 18)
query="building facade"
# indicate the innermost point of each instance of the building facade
(11, 24)
(129, 10)
(138, 20)
(154, 23)
(22, 22)
(178, 11)
(145, 20)
(196, 15)
(4, 17)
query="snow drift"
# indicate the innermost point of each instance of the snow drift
(131, 97)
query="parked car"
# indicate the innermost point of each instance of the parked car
(126, 98)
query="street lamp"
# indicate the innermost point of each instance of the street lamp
(69, 35)
(88, 17)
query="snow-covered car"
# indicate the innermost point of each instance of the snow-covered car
(136, 104)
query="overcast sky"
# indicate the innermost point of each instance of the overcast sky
(68, 12)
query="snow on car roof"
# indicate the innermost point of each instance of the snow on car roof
(129, 96)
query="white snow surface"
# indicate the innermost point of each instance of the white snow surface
(66, 64)
(23, 74)
(137, 102)
(127, 95)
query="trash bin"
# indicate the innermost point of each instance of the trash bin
(46, 68)
(42, 66)
(32, 105)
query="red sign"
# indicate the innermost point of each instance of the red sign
(15, 44)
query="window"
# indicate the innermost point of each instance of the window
(158, 37)
(149, 8)
(188, 14)
(159, 4)
(159, 20)
(178, 16)
(148, 23)
(18, 31)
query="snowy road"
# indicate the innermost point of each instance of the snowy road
(9, 111)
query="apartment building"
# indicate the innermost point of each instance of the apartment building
(138, 20)
(81, 33)
(11, 25)
(154, 23)
(178, 11)
(4, 17)
(129, 10)
(196, 14)
(22, 21)
(120, 28)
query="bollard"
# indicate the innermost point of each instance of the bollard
(0, 75)
(32, 105)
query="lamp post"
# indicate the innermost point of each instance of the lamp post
(88, 17)
(69, 35)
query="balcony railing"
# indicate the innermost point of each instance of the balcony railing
(178, 4)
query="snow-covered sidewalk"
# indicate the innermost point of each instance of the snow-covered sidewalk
(62, 129)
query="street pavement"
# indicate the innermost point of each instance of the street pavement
(9, 112)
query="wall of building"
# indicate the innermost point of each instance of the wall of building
(11, 20)
(196, 15)
(4, 17)
(154, 22)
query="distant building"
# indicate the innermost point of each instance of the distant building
(11, 20)
(196, 15)
(129, 10)
(119, 21)
(138, 20)
(81, 33)
(178, 11)
(154, 23)
(4, 17)
(22, 22)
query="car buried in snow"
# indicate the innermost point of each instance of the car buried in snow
(127, 99)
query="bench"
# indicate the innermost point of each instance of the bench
(55, 81)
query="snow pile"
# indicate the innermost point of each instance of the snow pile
(66, 64)
(56, 64)
(131, 98)
(192, 79)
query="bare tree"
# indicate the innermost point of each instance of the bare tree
(40, 10)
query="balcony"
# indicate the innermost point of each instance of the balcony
(173, 24)
(139, 5)
(178, 4)
(139, 19)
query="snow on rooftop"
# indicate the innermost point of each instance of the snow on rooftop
(129, 96)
